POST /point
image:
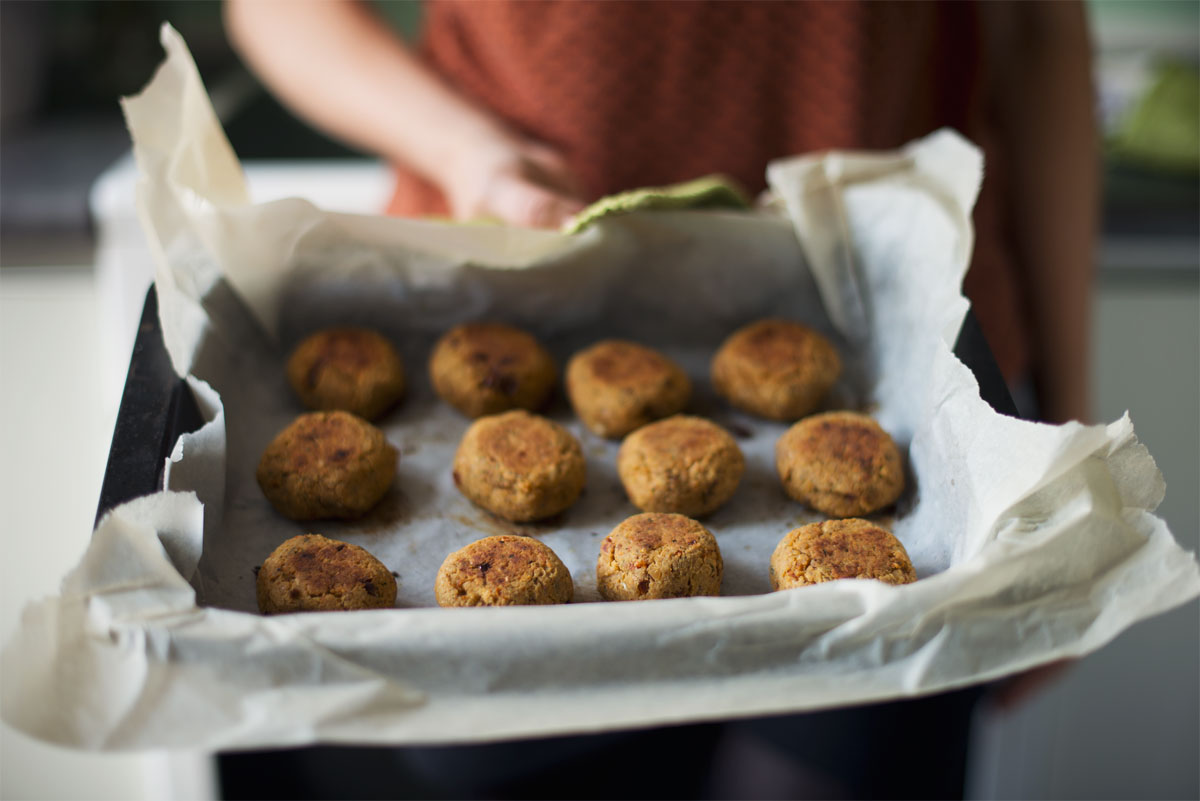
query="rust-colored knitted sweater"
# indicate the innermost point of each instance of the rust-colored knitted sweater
(648, 93)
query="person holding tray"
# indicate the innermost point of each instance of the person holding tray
(525, 112)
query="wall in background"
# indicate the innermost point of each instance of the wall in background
(1125, 721)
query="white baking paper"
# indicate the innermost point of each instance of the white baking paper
(1033, 543)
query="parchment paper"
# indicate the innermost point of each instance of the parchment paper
(1032, 542)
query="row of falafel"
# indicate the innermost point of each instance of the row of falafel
(524, 467)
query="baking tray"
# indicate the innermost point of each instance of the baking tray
(157, 407)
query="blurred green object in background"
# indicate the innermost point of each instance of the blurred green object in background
(404, 15)
(1162, 129)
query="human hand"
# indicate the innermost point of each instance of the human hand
(1016, 690)
(515, 181)
(343, 68)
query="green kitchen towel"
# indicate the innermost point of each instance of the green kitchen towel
(709, 192)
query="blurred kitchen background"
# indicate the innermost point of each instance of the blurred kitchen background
(1124, 723)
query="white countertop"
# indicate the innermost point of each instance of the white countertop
(55, 428)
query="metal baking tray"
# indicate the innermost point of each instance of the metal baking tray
(157, 407)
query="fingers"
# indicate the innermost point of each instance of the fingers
(518, 201)
(519, 182)
(546, 166)
(1016, 690)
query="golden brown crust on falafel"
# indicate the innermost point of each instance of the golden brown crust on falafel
(836, 549)
(312, 573)
(776, 369)
(327, 465)
(655, 555)
(840, 463)
(352, 369)
(685, 465)
(519, 466)
(617, 386)
(505, 570)
(488, 368)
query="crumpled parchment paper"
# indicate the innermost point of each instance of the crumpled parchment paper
(1032, 542)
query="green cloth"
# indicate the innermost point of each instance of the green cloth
(709, 192)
